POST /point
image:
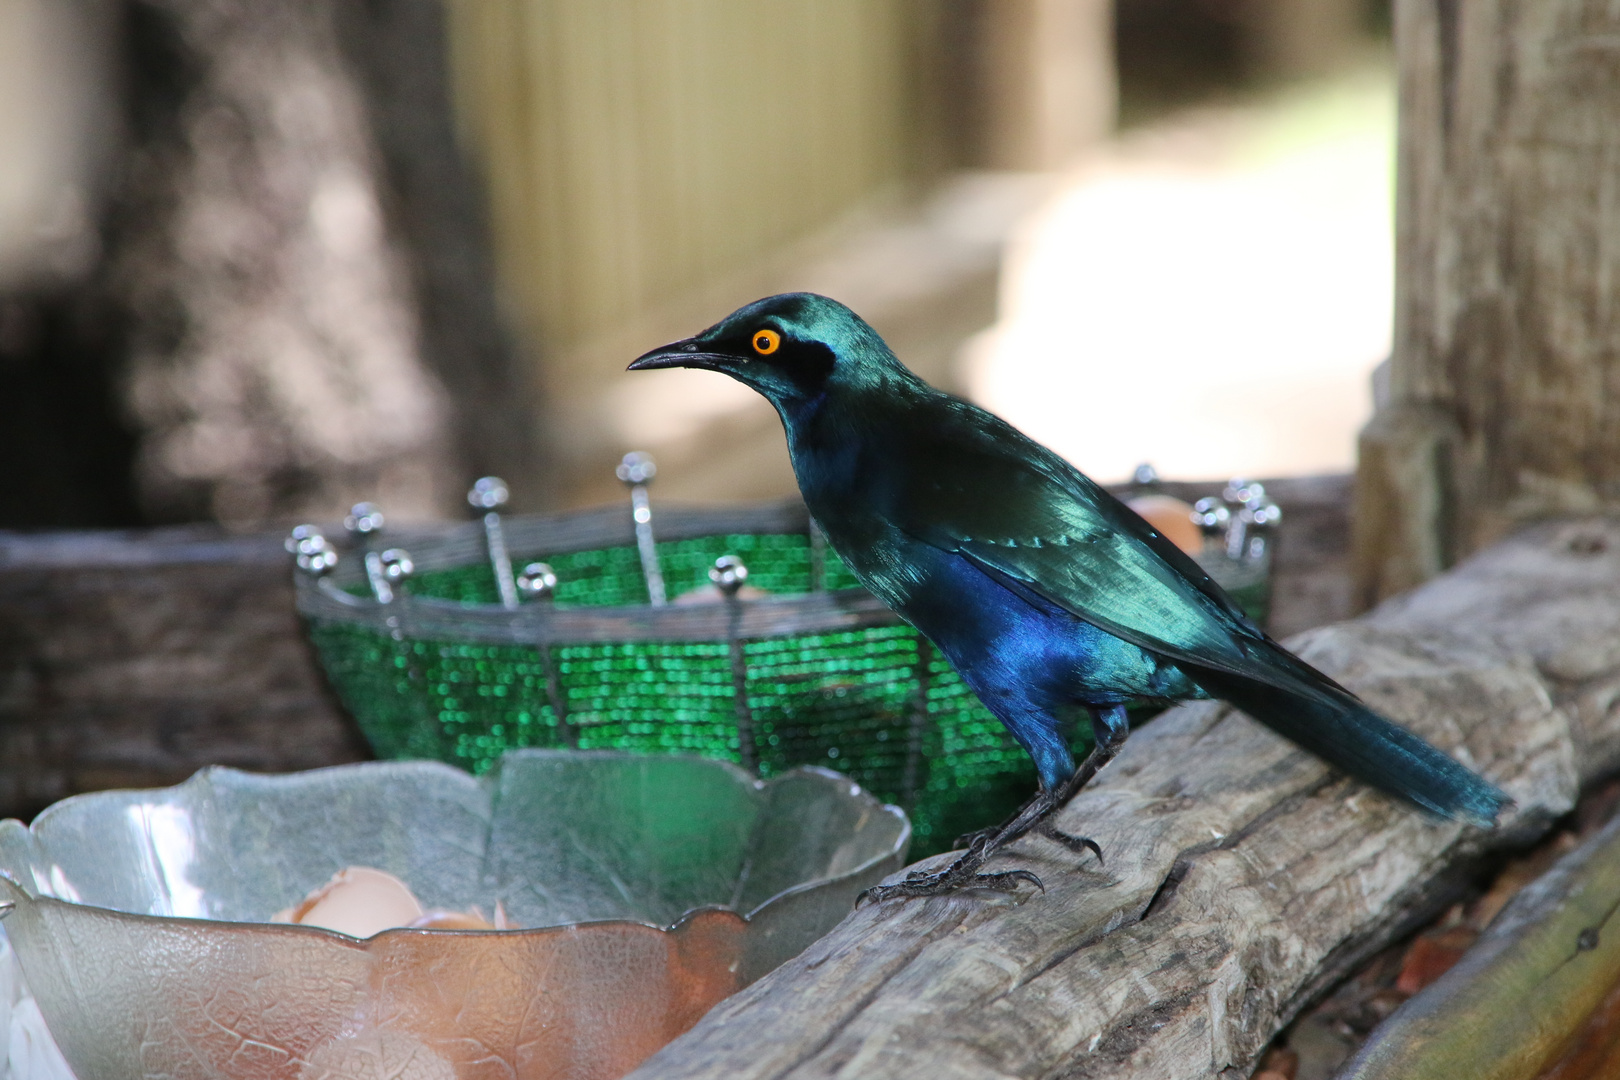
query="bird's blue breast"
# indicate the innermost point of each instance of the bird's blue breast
(988, 630)
(1031, 664)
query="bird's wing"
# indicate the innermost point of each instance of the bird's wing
(1014, 508)
(972, 485)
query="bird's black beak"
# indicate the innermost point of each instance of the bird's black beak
(688, 354)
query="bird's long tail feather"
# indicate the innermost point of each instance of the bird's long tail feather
(1338, 728)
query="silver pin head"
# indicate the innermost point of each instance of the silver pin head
(537, 581)
(1145, 474)
(300, 535)
(397, 564)
(636, 468)
(729, 574)
(364, 519)
(488, 493)
(1211, 515)
(311, 550)
(1262, 513)
(1240, 492)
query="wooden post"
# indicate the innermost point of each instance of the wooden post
(1047, 73)
(1506, 368)
(1301, 37)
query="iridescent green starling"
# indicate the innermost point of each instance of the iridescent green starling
(1045, 592)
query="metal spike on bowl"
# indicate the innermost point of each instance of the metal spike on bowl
(729, 574)
(1260, 517)
(365, 523)
(1211, 515)
(489, 494)
(311, 550)
(1237, 495)
(636, 470)
(387, 570)
(538, 581)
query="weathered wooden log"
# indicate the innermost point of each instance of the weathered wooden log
(134, 659)
(1243, 876)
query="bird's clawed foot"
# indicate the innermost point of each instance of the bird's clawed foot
(973, 841)
(918, 883)
(970, 840)
(1077, 844)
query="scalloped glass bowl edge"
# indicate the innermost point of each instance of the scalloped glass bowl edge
(139, 914)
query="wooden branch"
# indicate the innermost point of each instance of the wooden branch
(1243, 876)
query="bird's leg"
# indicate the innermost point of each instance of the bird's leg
(1077, 844)
(1110, 728)
(990, 832)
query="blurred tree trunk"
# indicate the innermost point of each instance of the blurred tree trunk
(274, 364)
(65, 448)
(65, 445)
(1505, 382)
(400, 50)
(294, 307)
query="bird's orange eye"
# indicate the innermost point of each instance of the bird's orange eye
(767, 342)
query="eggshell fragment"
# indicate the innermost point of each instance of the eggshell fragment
(471, 919)
(450, 920)
(358, 901)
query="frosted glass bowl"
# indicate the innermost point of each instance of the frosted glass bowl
(658, 885)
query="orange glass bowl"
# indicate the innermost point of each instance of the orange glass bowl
(656, 886)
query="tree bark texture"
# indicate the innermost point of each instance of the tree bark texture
(1048, 82)
(1505, 382)
(301, 259)
(1243, 876)
(399, 49)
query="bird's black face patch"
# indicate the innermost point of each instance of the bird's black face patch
(807, 365)
(776, 346)
(774, 360)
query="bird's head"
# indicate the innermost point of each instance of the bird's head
(793, 348)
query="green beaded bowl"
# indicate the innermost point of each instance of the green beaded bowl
(808, 670)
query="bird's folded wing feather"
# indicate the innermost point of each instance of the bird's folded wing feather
(977, 488)
(1023, 514)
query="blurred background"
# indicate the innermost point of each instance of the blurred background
(260, 259)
